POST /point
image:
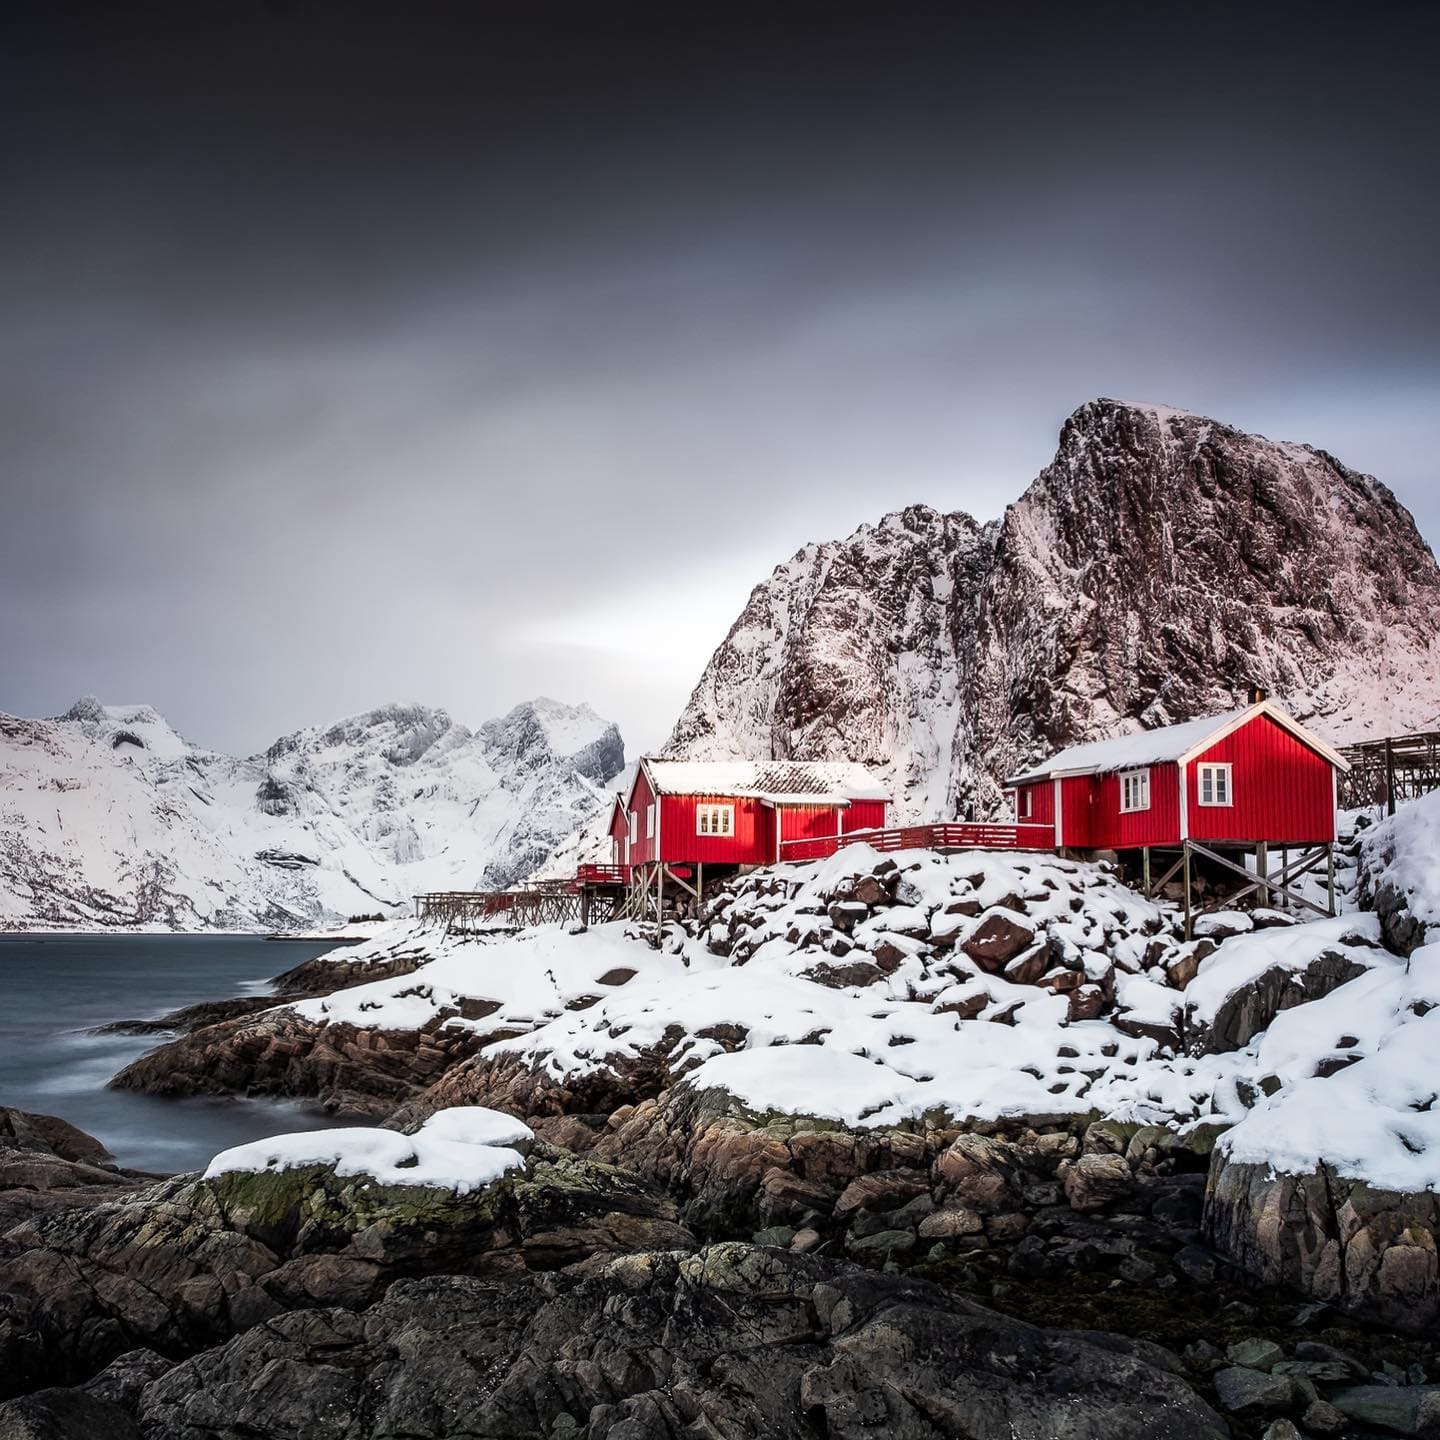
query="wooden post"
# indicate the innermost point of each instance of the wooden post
(1186, 845)
(1330, 875)
(659, 904)
(1262, 871)
(1284, 901)
(1389, 776)
(1145, 864)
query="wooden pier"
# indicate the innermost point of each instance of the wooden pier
(1391, 769)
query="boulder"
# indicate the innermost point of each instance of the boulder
(1000, 935)
(1093, 1181)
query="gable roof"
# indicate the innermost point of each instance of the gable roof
(793, 782)
(1179, 743)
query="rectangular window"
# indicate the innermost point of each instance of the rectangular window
(649, 822)
(715, 820)
(1024, 804)
(631, 824)
(1134, 791)
(1215, 785)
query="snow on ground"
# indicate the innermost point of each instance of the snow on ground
(528, 977)
(462, 1149)
(1347, 1078)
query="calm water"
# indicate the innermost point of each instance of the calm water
(53, 989)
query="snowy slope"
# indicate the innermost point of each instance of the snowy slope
(109, 818)
(1161, 565)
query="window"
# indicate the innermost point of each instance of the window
(1134, 791)
(631, 821)
(1215, 786)
(1024, 804)
(649, 822)
(714, 819)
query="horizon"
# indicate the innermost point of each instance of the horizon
(501, 353)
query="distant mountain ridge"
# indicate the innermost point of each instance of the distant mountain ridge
(1161, 565)
(109, 818)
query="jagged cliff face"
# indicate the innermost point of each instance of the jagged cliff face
(851, 651)
(109, 818)
(1160, 566)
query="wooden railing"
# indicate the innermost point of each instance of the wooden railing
(602, 875)
(961, 836)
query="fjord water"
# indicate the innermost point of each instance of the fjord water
(55, 988)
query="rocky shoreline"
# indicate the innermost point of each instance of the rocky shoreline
(674, 1260)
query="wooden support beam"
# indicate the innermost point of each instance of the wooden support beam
(1295, 895)
(1185, 863)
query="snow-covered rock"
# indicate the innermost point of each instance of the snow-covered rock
(464, 1149)
(1399, 865)
(109, 818)
(1159, 567)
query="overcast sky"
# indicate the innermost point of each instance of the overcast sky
(462, 352)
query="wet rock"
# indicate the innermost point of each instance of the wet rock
(65, 1415)
(729, 1341)
(1367, 1251)
(1411, 1410)
(1254, 1354)
(187, 1263)
(949, 1223)
(1093, 1181)
(1253, 1392)
(1322, 1418)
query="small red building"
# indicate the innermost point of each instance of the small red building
(738, 812)
(1248, 778)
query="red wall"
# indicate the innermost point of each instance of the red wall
(864, 815)
(643, 849)
(1159, 825)
(1042, 803)
(1282, 789)
(807, 822)
(753, 842)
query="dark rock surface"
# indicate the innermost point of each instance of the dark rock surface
(187, 1263)
(47, 1165)
(733, 1340)
(1367, 1251)
(347, 1068)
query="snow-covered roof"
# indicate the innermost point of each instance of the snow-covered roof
(793, 782)
(1168, 742)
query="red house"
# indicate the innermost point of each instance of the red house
(738, 812)
(1247, 780)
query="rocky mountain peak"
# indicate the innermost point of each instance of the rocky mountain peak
(1162, 564)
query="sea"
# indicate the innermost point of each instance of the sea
(56, 989)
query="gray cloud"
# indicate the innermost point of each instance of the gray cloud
(461, 353)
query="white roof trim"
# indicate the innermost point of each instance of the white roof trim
(1282, 718)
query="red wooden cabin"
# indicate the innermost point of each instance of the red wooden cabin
(738, 812)
(1253, 776)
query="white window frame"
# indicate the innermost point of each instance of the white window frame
(1024, 803)
(1134, 791)
(715, 821)
(632, 825)
(1214, 772)
(650, 821)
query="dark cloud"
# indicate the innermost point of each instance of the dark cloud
(462, 351)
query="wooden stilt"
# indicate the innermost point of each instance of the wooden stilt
(1262, 871)
(1145, 866)
(1330, 875)
(1185, 859)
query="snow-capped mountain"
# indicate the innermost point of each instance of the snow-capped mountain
(1159, 567)
(109, 818)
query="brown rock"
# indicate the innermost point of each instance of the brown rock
(1000, 936)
